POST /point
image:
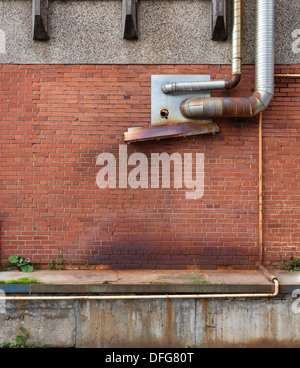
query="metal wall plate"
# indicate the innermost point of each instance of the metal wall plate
(165, 108)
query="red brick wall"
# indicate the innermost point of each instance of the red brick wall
(56, 120)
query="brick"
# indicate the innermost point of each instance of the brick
(56, 120)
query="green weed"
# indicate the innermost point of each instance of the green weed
(21, 341)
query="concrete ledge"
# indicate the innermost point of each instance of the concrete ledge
(135, 289)
(115, 282)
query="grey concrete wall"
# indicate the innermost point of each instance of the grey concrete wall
(170, 32)
(156, 323)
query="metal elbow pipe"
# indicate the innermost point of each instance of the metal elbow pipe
(236, 63)
(225, 107)
(202, 86)
(196, 108)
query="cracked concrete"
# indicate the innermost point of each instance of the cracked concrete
(242, 277)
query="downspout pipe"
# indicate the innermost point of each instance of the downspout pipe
(260, 189)
(219, 107)
(236, 63)
(265, 272)
(261, 268)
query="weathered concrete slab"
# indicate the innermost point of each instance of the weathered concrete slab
(48, 322)
(247, 323)
(263, 322)
(168, 323)
(149, 281)
(127, 277)
(119, 324)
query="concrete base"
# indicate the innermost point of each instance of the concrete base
(162, 323)
(159, 277)
(155, 323)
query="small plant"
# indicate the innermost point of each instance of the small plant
(87, 264)
(61, 258)
(52, 265)
(293, 265)
(21, 263)
(21, 341)
(200, 279)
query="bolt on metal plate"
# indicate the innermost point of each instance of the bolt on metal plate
(165, 108)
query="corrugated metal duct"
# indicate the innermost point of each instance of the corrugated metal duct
(217, 107)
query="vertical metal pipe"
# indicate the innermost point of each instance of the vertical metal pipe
(264, 77)
(237, 37)
(200, 108)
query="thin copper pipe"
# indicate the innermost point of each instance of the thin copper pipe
(260, 190)
(287, 75)
(136, 297)
(261, 268)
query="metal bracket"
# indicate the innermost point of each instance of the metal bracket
(40, 15)
(219, 20)
(167, 120)
(129, 19)
(165, 108)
